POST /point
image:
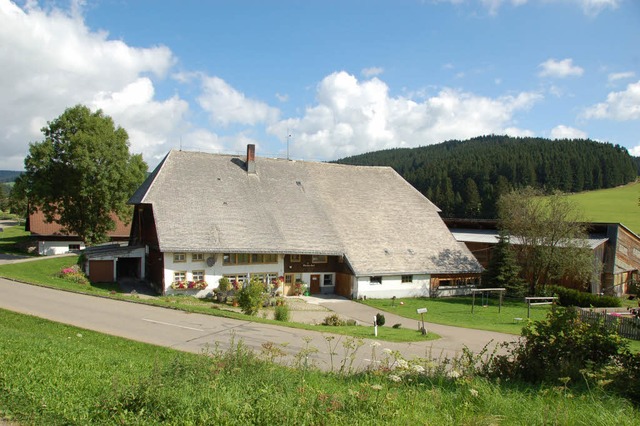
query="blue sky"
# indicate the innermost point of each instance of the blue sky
(339, 77)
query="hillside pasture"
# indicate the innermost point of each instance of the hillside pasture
(618, 205)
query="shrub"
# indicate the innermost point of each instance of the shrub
(282, 313)
(74, 274)
(224, 285)
(561, 346)
(380, 320)
(571, 297)
(333, 320)
(250, 298)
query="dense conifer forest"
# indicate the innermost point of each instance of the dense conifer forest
(465, 178)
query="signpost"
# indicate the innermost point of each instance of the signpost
(422, 311)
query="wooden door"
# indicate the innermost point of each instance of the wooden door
(315, 284)
(289, 280)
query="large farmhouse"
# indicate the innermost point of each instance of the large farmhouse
(351, 230)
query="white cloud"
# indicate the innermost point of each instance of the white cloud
(594, 7)
(635, 151)
(559, 69)
(616, 76)
(52, 61)
(372, 72)
(565, 132)
(619, 106)
(282, 97)
(227, 106)
(589, 7)
(354, 116)
(152, 126)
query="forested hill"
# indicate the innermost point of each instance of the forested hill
(465, 178)
(8, 175)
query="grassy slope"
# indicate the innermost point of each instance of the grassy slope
(56, 374)
(612, 205)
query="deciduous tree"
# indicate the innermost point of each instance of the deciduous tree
(549, 238)
(82, 172)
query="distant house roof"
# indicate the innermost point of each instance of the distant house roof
(490, 236)
(37, 225)
(210, 203)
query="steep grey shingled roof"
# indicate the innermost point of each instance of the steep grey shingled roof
(209, 203)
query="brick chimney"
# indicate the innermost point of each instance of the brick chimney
(251, 158)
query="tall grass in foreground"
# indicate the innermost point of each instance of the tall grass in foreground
(56, 374)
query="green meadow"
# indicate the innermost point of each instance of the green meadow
(619, 204)
(56, 374)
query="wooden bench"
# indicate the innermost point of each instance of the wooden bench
(539, 300)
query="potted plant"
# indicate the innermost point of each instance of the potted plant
(299, 287)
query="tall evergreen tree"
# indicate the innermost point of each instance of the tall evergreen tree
(503, 270)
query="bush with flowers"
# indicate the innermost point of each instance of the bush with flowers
(73, 273)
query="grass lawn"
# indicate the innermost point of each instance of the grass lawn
(457, 311)
(11, 236)
(52, 373)
(611, 205)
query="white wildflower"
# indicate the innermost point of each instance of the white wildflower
(453, 374)
(387, 351)
(375, 344)
(395, 378)
(376, 387)
(418, 368)
(402, 363)
(79, 335)
(473, 392)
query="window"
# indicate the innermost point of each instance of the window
(265, 277)
(238, 279)
(407, 279)
(74, 246)
(197, 257)
(328, 280)
(179, 257)
(296, 258)
(198, 275)
(248, 258)
(318, 259)
(375, 280)
(180, 276)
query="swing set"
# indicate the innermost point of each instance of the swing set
(484, 296)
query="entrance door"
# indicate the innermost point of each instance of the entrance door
(289, 280)
(315, 284)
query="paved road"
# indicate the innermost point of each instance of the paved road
(196, 332)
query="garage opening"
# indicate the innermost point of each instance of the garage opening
(128, 267)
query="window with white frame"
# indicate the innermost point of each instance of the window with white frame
(179, 276)
(197, 257)
(198, 275)
(179, 257)
(407, 279)
(238, 279)
(327, 280)
(296, 258)
(377, 279)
